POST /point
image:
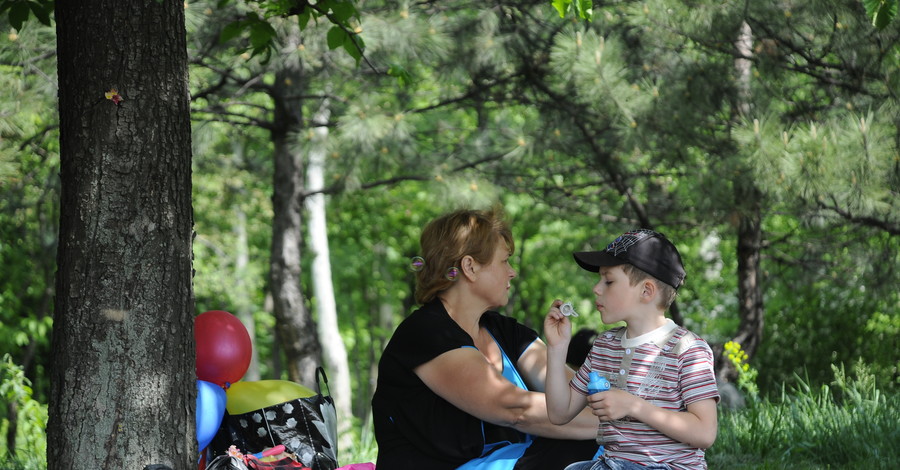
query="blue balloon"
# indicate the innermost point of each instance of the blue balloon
(211, 400)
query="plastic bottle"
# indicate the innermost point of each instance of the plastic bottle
(597, 383)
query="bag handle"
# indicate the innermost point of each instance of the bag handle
(320, 377)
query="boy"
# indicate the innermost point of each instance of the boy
(660, 411)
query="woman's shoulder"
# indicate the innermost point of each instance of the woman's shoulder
(427, 329)
(429, 316)
(512, 335)
(496, 321)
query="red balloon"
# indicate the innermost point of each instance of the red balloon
(223, 347)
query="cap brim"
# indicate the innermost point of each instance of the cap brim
(593, 260)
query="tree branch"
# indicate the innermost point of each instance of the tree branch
(892, 229)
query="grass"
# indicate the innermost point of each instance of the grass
(847, 424)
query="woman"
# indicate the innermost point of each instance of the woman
(459, 385)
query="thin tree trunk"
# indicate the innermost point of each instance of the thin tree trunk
(123, 387)
(244, 308)
(749, 229)
(12, 426)
(333, 351)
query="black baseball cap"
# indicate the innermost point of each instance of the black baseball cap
(644, 249)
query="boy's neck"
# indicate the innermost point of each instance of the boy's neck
(641, 325)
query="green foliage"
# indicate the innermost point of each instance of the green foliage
(263, 38)
(819, 287)
(260, 32)
(881, 11)
(581, 8)
(849, 424)
(18, 11)
(746, 374)
(29, 200)
(16, 394)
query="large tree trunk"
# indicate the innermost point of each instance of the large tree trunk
(294, 326)
(123, 389)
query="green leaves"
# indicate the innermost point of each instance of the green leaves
(584, 9)
(352, 43)
(882, 12)
(341, 13)
(19, 11)
(260, 33)
(401, 73)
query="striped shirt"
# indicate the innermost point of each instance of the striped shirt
(670, 367)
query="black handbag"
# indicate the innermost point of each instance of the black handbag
(307, 427)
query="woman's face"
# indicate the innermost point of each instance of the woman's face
(492, 281)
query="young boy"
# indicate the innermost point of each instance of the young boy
(660, 411)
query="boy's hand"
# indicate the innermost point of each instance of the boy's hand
(557, 327)
(613, 404)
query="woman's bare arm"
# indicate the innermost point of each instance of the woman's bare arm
(464, 378)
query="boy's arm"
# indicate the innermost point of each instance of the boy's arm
(563, 403)
(696, 427)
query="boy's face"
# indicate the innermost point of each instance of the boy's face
(616, 298)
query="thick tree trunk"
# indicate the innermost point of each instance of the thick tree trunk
(123, 389)
(294, 326)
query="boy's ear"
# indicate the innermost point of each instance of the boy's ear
(648, 290)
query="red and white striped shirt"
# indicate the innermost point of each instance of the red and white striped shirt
(670, 367)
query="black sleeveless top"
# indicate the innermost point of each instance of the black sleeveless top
(414, 427)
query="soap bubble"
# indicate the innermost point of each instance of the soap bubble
(417, 264)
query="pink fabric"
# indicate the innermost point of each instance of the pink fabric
(358, 466)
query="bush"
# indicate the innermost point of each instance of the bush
(30, 441)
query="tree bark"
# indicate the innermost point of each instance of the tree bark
(748, 201)
(334, 354)
(243, 305)
(295, 328)
(123, 387)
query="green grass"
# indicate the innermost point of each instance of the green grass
(847, 424)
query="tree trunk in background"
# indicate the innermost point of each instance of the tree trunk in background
(244, 308)
(334, 353)
(749, 229)
(295, 329)
(123, 388)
